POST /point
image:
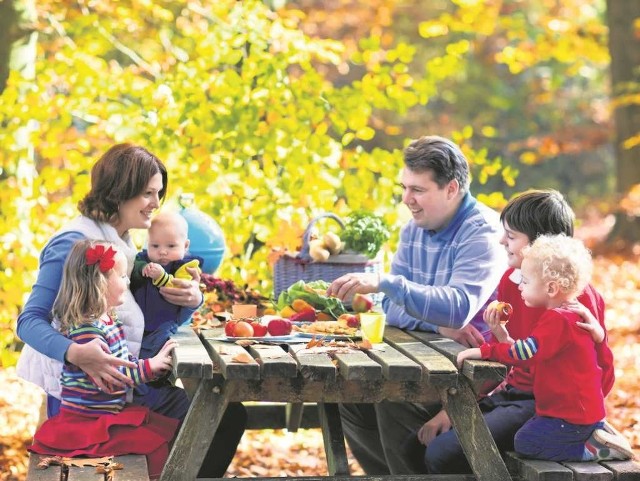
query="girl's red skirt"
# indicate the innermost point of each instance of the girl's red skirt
(134, 430)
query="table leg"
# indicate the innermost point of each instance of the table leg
(475, 438)
(333, 437)
(293, 416)
(196, 432)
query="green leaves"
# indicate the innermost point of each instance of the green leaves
(365, 233)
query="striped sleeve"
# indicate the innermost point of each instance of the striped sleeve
(524, 349)
(163, 280)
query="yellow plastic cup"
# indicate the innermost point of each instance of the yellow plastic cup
(240, 311)
(372, 325)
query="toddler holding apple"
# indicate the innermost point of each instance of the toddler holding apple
(569, 420)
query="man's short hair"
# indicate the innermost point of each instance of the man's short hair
(442, 157)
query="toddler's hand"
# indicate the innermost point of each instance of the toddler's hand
(153, 270)
(493, 318)
(473, 353)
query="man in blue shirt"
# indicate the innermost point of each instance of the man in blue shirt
(446, 269)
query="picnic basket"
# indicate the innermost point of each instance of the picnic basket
(293, 267)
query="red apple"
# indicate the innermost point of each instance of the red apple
(504, 310)
(279, 327)
(259, 330)
(229, 328)
(361, 303)
(350, 320)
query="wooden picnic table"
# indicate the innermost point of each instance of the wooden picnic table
(411, 367)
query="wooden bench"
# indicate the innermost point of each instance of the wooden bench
(134, 469)
(536, 470)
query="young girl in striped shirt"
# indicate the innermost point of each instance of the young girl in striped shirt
(92, 422)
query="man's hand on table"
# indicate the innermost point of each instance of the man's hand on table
(438, 424)
(345, 287)
(468, 335)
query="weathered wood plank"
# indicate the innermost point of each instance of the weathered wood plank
(537, 470)
(52, 473)
(357, 366)
(223, 354)
(196, 432)
(476, 440)
(85, 473)
(314, 366)
(439, 370)
(301, 390)
(191, 359)
(267, 415)
(395, 365)
(623, 470)
(274, 361)
(333, 439)
(135, 468)
(485, 375)
(589, 472)
(293, 413)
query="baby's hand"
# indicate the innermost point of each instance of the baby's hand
(153, 270)
(161, 363)
(590, 323)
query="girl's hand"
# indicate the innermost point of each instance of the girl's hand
(96, 360)
(590, 323)
(438, 424)
(473, 353)
(161, 363)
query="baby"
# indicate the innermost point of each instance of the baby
(165, 259)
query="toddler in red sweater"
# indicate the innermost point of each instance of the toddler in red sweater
(569, 401)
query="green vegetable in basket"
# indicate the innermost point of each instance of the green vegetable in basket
(313, 293)
(365, 233)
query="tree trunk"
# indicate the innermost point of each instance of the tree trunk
(17, 39)
(624, 47)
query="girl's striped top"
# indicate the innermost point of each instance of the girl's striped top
(79, 392)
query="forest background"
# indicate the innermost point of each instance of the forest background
(273, 112)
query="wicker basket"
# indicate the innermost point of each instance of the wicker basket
(290, 269)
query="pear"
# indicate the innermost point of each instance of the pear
(317, 251)
(332, 243)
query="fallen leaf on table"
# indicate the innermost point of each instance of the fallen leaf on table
(242, 357)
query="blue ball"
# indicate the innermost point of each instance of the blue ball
(206, 236)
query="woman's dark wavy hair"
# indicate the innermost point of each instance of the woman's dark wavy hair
(122, 173)
(538, 212)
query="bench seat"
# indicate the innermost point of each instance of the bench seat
(135, 469)
(537, 470)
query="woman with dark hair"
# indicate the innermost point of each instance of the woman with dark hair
(127, 185)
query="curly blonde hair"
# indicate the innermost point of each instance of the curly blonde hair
(561, 259)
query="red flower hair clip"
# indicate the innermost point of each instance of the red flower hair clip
(98, 255)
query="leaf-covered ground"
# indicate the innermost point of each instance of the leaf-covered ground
(301, 454)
